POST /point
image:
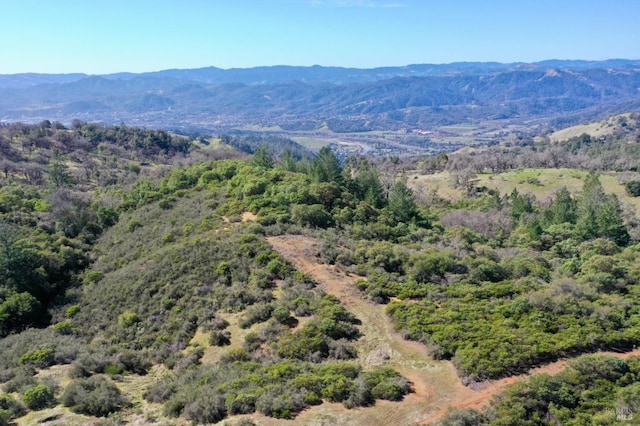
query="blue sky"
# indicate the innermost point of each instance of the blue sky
(99, 36)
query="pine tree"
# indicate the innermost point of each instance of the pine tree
(288, 161)
(325, 167)
(563, 208)
(610, 223)
(588, 204)
(600, 215)
(59, 174)
(520, 204)
(262, 158)
(401, 203)
(370, 188)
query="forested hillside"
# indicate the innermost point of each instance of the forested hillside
(139, 282)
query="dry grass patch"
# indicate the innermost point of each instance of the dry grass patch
(439, 184)
(596, 129)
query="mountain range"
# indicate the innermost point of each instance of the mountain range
(413, 96)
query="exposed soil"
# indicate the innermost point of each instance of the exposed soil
(436, 387)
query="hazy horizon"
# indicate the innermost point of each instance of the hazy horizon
(325, 66)
(145, 36)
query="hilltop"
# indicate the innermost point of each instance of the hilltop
(598, 128)
(149, 277)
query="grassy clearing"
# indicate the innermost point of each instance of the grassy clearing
(56, 416)
(134, 387)
(459, 128)
(437, 183)
(595, 129)
(213, 143)
(545, 183)
(314, 144)
(541, 183)
(212, 354)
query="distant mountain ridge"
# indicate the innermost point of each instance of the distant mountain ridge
(390, 97)
(317, 73)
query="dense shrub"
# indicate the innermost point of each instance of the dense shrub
(206, 408)
(94, 396)
(462, 417)
(593, 387)
(311, 215)
(633, 188)
(11, 407)
(38, 397)
(39, 358)
(220, 338)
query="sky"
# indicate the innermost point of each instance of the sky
(108, 36)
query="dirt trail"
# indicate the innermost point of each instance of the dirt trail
(435, 383)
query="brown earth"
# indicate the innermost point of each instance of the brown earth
(436, 387)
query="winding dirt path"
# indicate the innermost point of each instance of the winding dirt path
(435, 384)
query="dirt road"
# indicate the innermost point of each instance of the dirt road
(435, 383)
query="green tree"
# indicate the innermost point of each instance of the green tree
(19, 311)
(588, 205)
(633, 188)
(325, 167)
(288, 161)
(401, 205)
(520, 204)
(610, 223)
(262, 157)
(312, 215)
(8, 247)
(107, 216)
(10, 409)
(59, 174)
(600, 215)
(370, 188)
(563, 208)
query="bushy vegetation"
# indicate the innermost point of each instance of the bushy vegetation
(175, 270)
(561, 282)
(56, 199)
(10, 409)
(278, 390)
(49, 218)
(93, 396)
(594, 389)
(38, 397)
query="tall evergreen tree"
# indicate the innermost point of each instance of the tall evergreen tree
(588, 204)
(325, 167)
(401, 203)
(563, 208)
(368, 187)
(520, 204)
(610, 223)
(600, 215)
(288, 161)
(262, 158)
(59, 174)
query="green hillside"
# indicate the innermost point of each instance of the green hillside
(146, 280)
(597, 129)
